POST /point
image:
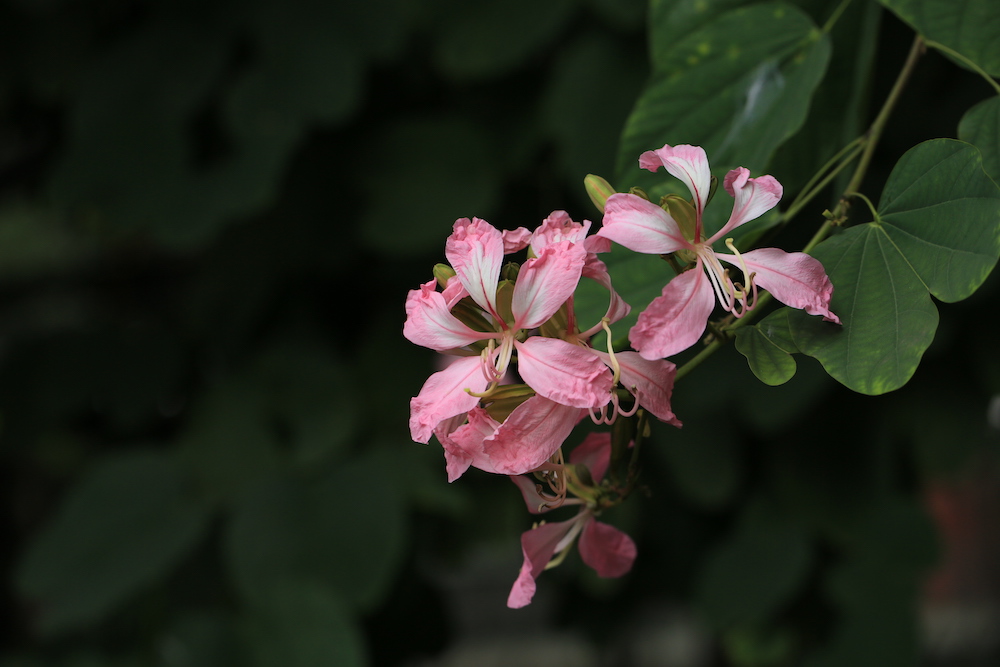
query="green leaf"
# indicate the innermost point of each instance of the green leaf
(937, 232)
(969, 27)
(768, 347)
(302, 624)
(739, 86)
(980, 126)
(344, 529)
(126, 523)
(747, 578)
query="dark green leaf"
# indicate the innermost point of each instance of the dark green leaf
(980, 126)
(938, 231)
(969, 27)
(768, 347)
(126, 523)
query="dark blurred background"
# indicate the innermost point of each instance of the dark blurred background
(210, 214)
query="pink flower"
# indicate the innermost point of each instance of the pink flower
(603, 547)
(555, 369)
(677, 318)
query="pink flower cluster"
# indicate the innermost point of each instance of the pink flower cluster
(523, 373)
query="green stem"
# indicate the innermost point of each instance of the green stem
(832, 21)
(971, 65)
(823, 177)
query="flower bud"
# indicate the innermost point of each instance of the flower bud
(683, 214)
(442, 272)
(598, 189)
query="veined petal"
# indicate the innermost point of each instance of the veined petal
(641, 226)
(794, 278)
(558, 227)
(595, 453)
(545, 282)
(650, 381)
(688, 164)
(538, 546)
(754, 198)
(675, 320)
(475, 250)
(444, 396)
(515, 239)
(429, 321)
(563, 372)
(463, 447)
(606, 549)
(530, 435)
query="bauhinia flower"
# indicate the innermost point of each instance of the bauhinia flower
(555, 369)
(603, 547)
(677, 318)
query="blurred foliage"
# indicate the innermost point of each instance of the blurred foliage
(210, 214)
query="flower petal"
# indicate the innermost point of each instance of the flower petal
(430, 323)
(795, 279)
(463, 447)
(545, 282)
(529, 491)
(538, 546)
(689, 164)
(651, 381)
(558, 227)
(530, 435)
(754, 198)
(444, 396)
(475, 250)
(515, 240)
(675, 320)
(563, 372)
(641, 226)
(595, 453)
(606, 549)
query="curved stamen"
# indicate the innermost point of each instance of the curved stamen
(615, 366)
(740, 293)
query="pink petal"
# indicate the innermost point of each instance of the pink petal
(675, 320)
(515, 240)
(689, 164)
(545, 282)
(595, 453)
(475, 251)
(529, 491)
(558, 227)
(538, 546)
(597, 271)
(530, 435)
(606, 549)
(650, 381)
(463, 447)
(430, 323)
(754, 198)
(641, 226)
(563, 372)
(444, 396)
(795, 279)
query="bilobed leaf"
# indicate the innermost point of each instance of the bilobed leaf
(970, 27)
(739, 86)
(980, 126)
(126, 523)
(937, 231)
(768, 347)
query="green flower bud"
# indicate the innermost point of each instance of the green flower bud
(598, 189)
(442, 272)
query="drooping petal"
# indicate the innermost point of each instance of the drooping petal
(675, 320)
(650, 381)
(529, 491)
(563, 372)
(689, 164)
(444, 396)
(597, 271)
(463, 447)
(475, 250)
(595, 453)
(754, 198)
(538, 546)
(545, 282)
(530, 435)
(794, 278)
(606, 549)
(641, 226)
(430, 323)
